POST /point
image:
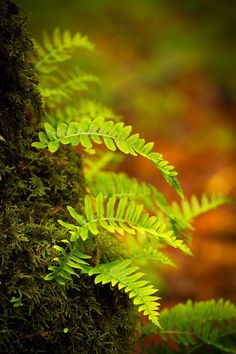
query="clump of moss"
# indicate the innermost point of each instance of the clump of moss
(35, 187)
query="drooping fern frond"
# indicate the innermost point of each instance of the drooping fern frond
(59, 49)
(114, 136)
(193, 325)
(125, 276)
(118, 216)
(66, 263)
(195, 207)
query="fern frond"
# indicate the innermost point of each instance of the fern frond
(66, 263)
(195, 207)
(93, 109)
(194, 325)
(65, 86)
(120, 185)
(114, 136)
(59, 49)
(93, 165)
(125, 276)
(151, 253)
(118, 216)
(84, 108)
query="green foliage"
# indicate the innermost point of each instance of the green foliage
(197, 326)
(115, 216)
(120, 185)
(177, 216)
(119, 216)
(65, 86)
(84, 108)
(71, 261)
(188, 210)
(152, 254)
(114, 136)
(95, 164)
(35, 188)
(76, 313)
(127, 278)
(118, 203)
(59, 49)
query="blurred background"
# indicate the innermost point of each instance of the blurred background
(168, 67)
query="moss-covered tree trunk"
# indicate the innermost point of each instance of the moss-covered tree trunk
(38, 316)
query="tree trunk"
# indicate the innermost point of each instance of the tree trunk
(36, 187)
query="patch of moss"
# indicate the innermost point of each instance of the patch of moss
(35, 188)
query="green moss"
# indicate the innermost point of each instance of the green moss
(35, 188)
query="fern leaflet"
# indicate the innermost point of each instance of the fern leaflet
(127, 278)
(67, 263)
(113, 135)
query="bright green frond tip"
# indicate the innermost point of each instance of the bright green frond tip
(125, 276)
(115, 136)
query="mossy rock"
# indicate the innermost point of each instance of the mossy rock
(37, 316)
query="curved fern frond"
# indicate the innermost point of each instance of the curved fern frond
(195, 207)
(118, 216)
(59, 49)
(125, 276)
(114, 136)
(193, 325)
(66, 263)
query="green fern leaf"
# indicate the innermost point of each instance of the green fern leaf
(119, 216)
(64, 86)
(94, 164)
(194, 325)
(126, 277)
(195, 207)
(59, 49)
(116, 136)
(66, 263)
(120, 185)
(83, 109)
(151, 253)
